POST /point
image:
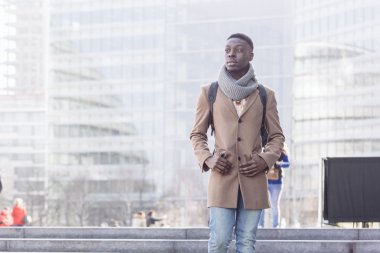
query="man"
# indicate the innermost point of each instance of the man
(237, 190)
(151, 218)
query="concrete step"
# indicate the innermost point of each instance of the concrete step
(183, 233)
(182, 240)
(181, 246)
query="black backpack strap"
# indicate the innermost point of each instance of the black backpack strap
(211, 99)
(263, 130)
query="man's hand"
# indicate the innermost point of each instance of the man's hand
(219, 163)
(253, 166)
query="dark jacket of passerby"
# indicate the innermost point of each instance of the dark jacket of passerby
(150, 220)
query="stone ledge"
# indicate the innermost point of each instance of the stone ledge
(182, 246)
(183, 233)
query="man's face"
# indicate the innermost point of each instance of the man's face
(237, 55)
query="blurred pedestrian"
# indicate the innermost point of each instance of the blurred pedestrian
(139, 219)
(6, 218)
(151, 219)
(19, 213)
(275, 186)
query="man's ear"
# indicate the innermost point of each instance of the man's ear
(251, 56)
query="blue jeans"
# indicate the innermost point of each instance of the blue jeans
(275, 191)
(222, 223)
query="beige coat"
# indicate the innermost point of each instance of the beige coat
(229, 129)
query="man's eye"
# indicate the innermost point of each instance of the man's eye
(227, 50)
(239, 50)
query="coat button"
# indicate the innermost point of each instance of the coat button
(240, 121)
(239, 158)
(239, 139)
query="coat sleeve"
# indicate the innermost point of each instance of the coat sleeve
(198, 135)
(276, 138)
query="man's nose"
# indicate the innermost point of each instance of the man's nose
(231, 53)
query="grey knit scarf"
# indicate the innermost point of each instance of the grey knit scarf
(237, 89)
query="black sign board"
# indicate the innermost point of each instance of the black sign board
(351, 189)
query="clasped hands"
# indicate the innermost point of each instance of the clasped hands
(253, 165)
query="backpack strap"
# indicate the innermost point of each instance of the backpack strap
(211, 99)
(263, 130)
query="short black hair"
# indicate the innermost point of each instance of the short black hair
(242, 37)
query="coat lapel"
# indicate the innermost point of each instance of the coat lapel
(250, 101)
(227, 102)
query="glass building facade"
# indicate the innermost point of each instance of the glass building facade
(23, 105)
(119, 81)
(336, 105)
(106, 115)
